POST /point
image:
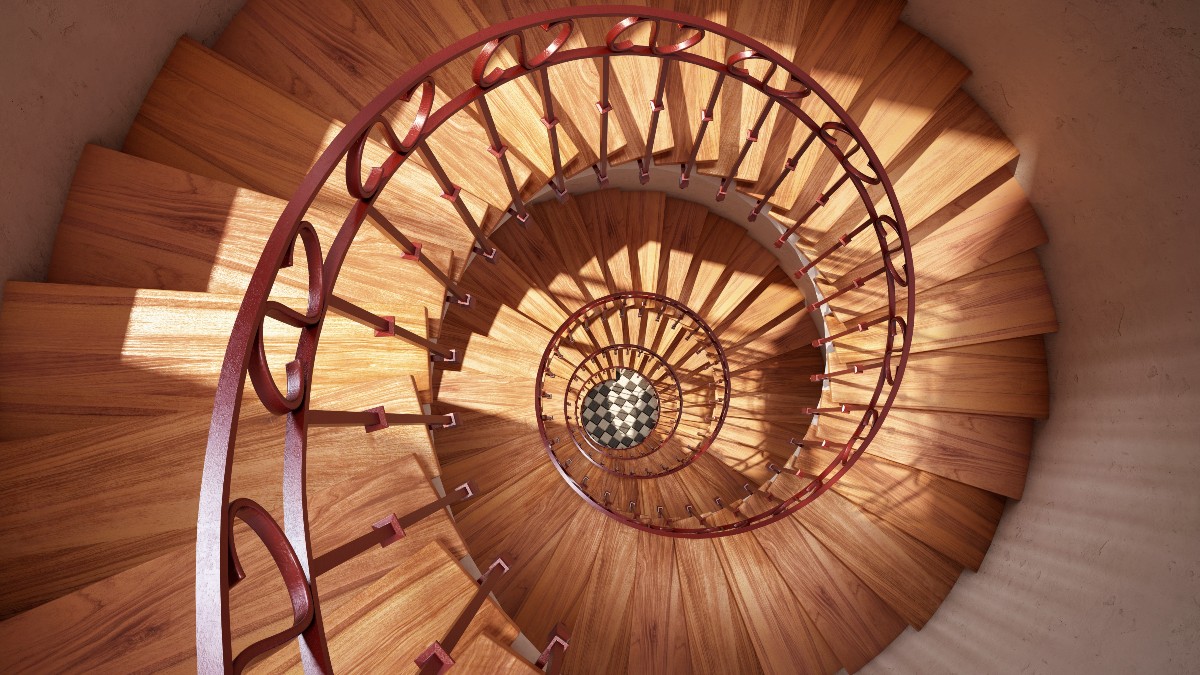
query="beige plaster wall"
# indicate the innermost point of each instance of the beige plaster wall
(1097, 569)
(74, 72)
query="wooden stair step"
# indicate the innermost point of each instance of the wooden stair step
(134, 223)
(150, 606)
(557, 595)
(658, 636)
(717, 637)
(207, 116)
(327, 56)
(908, 78)
(988, 452)
(851, 618)
(601, 633)
(955, 519)
(887, 568)
(417, 30)
(959, 148)
(484, 655)
(681, 239)
(784, 637)
(1006, 300)
(839, 54)
(388, 623)
(157, 352)
(989, 223)
(995, 378)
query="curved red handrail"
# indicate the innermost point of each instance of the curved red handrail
(245, 356)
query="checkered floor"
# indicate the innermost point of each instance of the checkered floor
(621, 412)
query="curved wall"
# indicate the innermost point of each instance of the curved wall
(1097, 568)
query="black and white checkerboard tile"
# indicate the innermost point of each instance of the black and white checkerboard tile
(621, 412)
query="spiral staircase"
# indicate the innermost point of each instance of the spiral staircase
(806, 260)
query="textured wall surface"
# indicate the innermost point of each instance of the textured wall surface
(1097, 569)
(73, 73)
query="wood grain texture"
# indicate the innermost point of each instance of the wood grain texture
(388, 623)
(990, 223)
(143, 619)
(959, 148)
(483, 655)
(329, 57)
(887, 568)
(784, 637)
(658, 639)
(601, 634)
(717, 637)
(851, 618)
(235, 128)
(1006, 300)
(954, 519)
(995, 378)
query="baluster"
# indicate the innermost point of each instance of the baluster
(436, 658)
(857, 283)
(413, 252)
(604, 107)
(552, 657)
(450, 192)
(857, 328)
(842, 241)
(551, 124)
(500, 151)
(656, 108)
(820, 201)
(385, 326)
(852, 370)
(388, 531)
(751, 138)
(788, 167)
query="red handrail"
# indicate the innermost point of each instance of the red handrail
(246, 353)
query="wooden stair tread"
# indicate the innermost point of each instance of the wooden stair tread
(995, 378)
(851, 618)
(717, 638)
(328, 57)
(144, 617)
(1008, 299)
(388, 623)
(784, 637)
(157, 352)
(237, 129)
(134, 223)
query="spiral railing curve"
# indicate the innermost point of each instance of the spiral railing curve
(751, 64)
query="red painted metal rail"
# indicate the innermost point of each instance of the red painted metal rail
(246, 355)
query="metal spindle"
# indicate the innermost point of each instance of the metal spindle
(604, 107)
(550, 121)
(412, 251)
(450, 192)
(843, 240)
(656, 108)
(788, 167)
(500, 151)
(385, 326)
(706, 116)
(857, 283)
(376, 419)
(751, 139)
